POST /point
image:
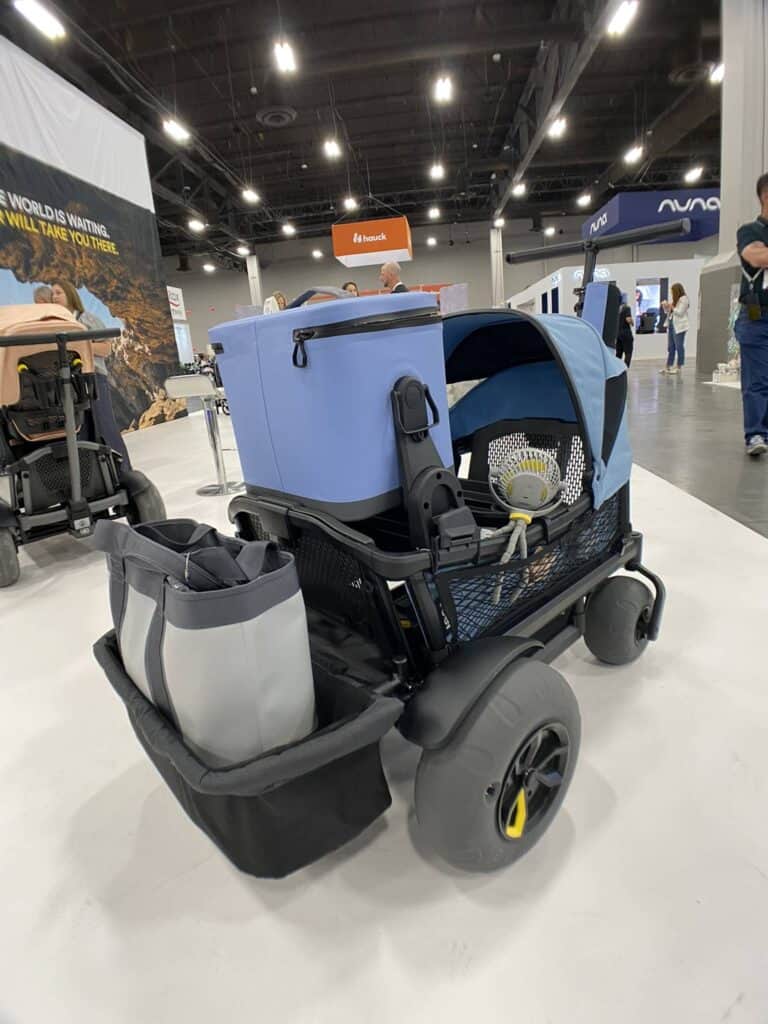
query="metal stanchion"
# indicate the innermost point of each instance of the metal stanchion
(197, 385)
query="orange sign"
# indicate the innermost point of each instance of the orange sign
(372, 241)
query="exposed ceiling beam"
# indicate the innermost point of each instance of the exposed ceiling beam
(684, 116)
(552, 80)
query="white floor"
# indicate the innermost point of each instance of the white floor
(646, 902)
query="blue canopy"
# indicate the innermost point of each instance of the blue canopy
(546, 367)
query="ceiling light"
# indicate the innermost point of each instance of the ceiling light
(176, 131)
(634, 155)
(550, 231)
(250, 196)
(39, 16)
(196, 225)
(243, 250)
(584, 200)
(692, 176)
(623, 18)
(350, 203)
(443, 89)
(332, 149)
(304, 167)
(285, 58)
(519, 189)
(557, 128)
(499, 222)
(437, 172)
(208, 268)
(289, 229)
(496, 58)
(433, 213)
(317, 254)
(475, 145)
(431, 240)
(717, 74)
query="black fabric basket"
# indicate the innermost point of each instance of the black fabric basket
(290, 806)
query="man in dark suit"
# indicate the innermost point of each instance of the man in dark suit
(389, 275)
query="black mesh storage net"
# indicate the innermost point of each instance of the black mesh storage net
(468, 596)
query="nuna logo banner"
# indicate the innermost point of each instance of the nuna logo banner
(630, 210)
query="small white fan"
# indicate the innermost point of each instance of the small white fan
(527, 484)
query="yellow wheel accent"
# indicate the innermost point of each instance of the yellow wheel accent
(22, 367)
(518, 817)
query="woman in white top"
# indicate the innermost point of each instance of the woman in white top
(678, 328)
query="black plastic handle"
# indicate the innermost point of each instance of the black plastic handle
(412, 432)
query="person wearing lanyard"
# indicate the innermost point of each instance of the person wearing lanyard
(751, 327)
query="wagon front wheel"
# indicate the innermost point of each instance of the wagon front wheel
(616, 620)
(488, 796)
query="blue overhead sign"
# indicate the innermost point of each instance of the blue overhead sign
(630, 210)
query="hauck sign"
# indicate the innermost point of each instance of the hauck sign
(630, 210)
(366, 242)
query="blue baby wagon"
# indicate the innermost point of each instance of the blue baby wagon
(387, 504)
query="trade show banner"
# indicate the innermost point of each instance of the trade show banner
(55, 228)
(76, 207)
(629, 210)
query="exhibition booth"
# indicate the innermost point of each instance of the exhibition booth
(408, 661)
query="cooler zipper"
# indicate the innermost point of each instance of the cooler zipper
(362, 325)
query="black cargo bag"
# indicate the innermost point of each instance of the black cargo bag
(289, 806)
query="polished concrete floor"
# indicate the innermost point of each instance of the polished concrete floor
(647, 900)
(691, 433)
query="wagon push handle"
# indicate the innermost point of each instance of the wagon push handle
(60, 337)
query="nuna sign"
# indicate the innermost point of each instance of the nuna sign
(629, 210)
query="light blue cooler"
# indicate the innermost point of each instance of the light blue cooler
(309, 393)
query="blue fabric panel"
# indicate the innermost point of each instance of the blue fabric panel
(589, 362)
(535, 391)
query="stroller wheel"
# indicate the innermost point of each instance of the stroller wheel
(146, 503)
(616, 621)
(9, 559)
(488, 796)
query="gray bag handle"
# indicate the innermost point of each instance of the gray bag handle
(121, 541)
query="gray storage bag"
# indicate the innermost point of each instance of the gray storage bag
(213, 631)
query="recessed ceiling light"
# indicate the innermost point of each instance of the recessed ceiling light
(285, 58)
(304, 167)
(475, 145)
(437, 172)
(717, 74)
(694, 175)
(633, 155)
(499, 222)
(557, 129)
(175, 130)
(519, 189)
(550, 231)
(350, 203)
(208, 268)
(250, 196)
(39, 16)
(332, 149)
(584, 200)
(289, 229)
(443, 89)
(431, 240)
(433, 213)
(317, 254)
(196, 225)
(623, 18)
(243, 250)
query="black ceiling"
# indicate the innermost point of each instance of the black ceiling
(365, 73)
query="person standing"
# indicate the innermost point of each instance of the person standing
(65, 294)
(389, 275)
(625, 339)
(351, 288)
(677, 310)
(42, 295)
(751, 327)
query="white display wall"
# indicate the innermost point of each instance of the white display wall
(628, 277)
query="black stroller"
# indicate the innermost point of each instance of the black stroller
(62, 477)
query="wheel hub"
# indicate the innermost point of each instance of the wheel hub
(533, 780)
